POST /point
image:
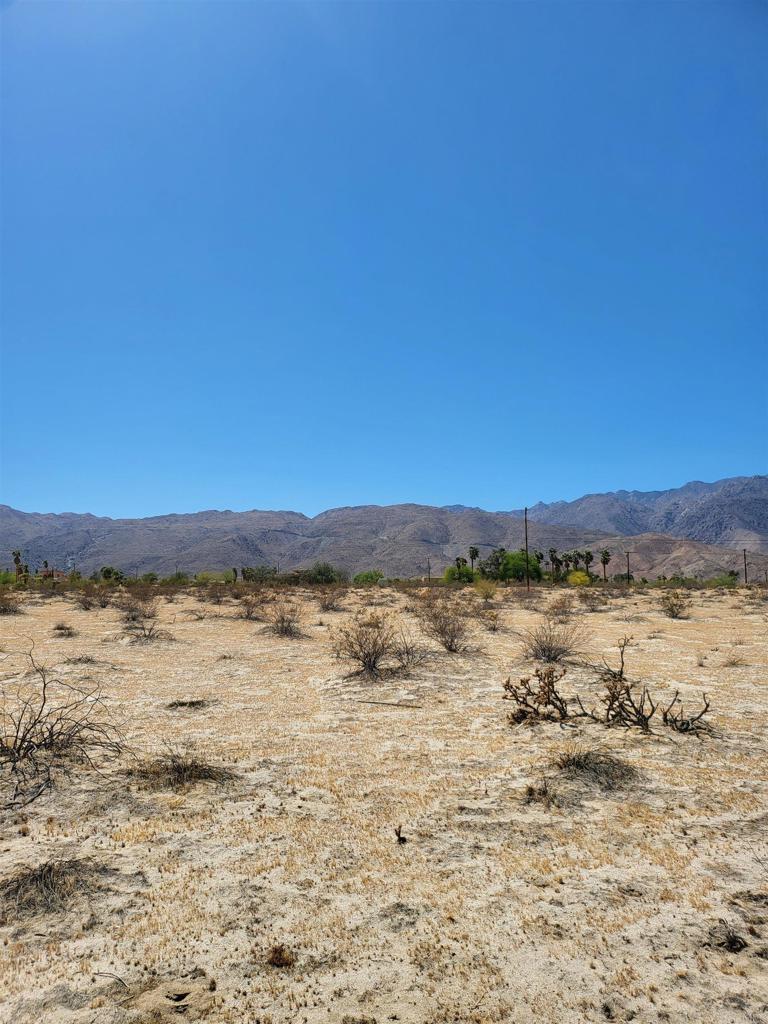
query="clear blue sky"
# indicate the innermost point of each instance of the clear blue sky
(302, 255)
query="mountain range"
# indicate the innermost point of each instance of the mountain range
(698, 528)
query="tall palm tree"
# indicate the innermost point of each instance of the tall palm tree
(588, 559)
(605, 557)
(474, 554)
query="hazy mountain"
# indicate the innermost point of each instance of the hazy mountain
(399, 539)
(730, 513)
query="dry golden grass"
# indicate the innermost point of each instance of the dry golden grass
(604, 904)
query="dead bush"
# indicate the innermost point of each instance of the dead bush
(281, 956)
(592, 765)
(284, 618)
(330, 598)
(552, 641)
(561, 608)
(675, 604)
(43, 889)
(592, 599)
(537, 698)
(136, 609)
(196, 704)
(50, 724)
(146, 633)
(488, 619)
(445, 621)
(10, 602)
(369, 640)
(85, 599)
(178, 767)
(253, 605)
(64, 630)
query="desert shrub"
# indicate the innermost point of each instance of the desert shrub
(45, 888)
(485, 589)
(675, 604)
(10, 602)
(198, 704)
(552, 641)
(64, 630)
(488, 619)
(135, 609)
(537, 698)
(253, 605)
(281, 956)
(369, 578)
(85, 598)
(178, 767)
(592, 599)
(561, 608)
(594, 766)
(146, 633)
(577, 578)
(369, 639)
(49, 724)
(284, 618)
(329, 598)
(447, 622)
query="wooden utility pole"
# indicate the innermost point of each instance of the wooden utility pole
(745, 567)
(527, 568)
(628, 573)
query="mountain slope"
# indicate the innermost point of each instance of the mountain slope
(730, 513)
(402, 540)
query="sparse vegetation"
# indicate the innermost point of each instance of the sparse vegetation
(552, 641)
(675, 604)
(178, 767)
(44, 889)
(447, 622)
(284, 618)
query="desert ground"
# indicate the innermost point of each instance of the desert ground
(283, 893)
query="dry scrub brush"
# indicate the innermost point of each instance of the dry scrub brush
(284, 619)
(48, 887)
(375, 642)
(48, 724)
(675, 604)
(10, 603)
(552, 641)
(178, 767)
(447, 622)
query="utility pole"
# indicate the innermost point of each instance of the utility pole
(429, 570)
(527, 569)
(745, 567)
(628, 573)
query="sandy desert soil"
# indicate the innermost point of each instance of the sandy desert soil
(602, 905)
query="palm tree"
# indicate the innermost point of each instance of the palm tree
(576, 558)
(474, 553)
(605, 557)
(17, 562)
(588, 559)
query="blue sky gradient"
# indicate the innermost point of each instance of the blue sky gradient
(286, 255)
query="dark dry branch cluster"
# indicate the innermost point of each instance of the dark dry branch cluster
(46, 888)
(176, 768)
(51, 724)
(623, 703)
